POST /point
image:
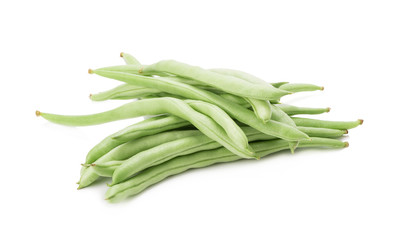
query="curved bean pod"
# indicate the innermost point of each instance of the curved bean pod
(218, 115)
(172, 149)
(155, 106)
(281, 116)
(144, 128)
(201, 159)
(228, 84)
(308, 122)
(124, 91)
(129, 59)
(130, 148)
(234, 110)
(262, 108)
(203, 144)
(105, 169)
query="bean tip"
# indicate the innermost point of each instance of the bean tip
(38, 113)
(322, 88)
(121, 54)
(346, 131)
(328, 109)
(361, 121)
(90, 96)
(79, 187)
(90, 71)
(346, 144)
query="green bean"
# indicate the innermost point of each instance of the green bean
(172, 149)
(153, 107)
(190, 144)
(231, 128)
(128, 149)
(300, 87)
(129, 59)
(124, 91)
(240, 74)
(307, 122)
(322, 132)
(105, 169)
(262, 108)
(144, 128)
(281, 116)
(234, 110)
(201, 159)
(234, 99)
(294, 110)
(228, 84)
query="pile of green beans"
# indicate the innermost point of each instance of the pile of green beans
(194, 118)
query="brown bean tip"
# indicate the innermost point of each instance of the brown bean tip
(328, 109)
(121, 54)
(90, 71)
(322, 88)
(38, 113)
(346, 131)
(346, 144)
(90, 96)
(361, 121)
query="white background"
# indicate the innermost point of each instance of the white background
(347, 46)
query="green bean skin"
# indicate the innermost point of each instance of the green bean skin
(234, 110)
(128, 149)
(146, 143)
(200, 143)
(228, 84)
(294, 110)
(105, 169)
(278, 84)
(161, 154)
(201, 159)
(281, 116)
(231, 128)
(300, 87)
(307, 122)
(322, 132)
(172, 149)
(124, 91)
(144, 128)
(129, 59)
(156, 106)
(262, 108)
(240, 74)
